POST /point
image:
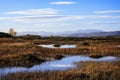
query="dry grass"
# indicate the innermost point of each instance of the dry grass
(13, 51)
(9, 51)
(85, 71)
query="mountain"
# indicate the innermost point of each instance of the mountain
(78, 33)
(65, 33)
(35, 33)
(113, 33)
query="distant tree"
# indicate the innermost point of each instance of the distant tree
(15, 33)
(12, 32)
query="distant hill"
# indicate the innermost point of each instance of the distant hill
(114, 33)
(64, 33)
(35, 33)
(2, 34)
(78, 33)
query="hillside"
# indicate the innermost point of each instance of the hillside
(114, 33)
(2, 34)
(78, 33)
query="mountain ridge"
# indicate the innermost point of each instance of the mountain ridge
(77, 33)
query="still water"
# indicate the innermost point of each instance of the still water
(61, 46)
(63, 64)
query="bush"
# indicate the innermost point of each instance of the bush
(86, 44)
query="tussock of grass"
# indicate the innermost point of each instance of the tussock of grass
(27, 60)
(95, 56)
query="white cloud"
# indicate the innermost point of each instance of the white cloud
(57, 18)
(63, 2)
(44, 18)
(105, 22)
(47, 11)
(3, 18)
(56, 24)
(110, 11)
(102, 17)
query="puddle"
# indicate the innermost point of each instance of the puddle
(61, 46)
(63, 64)
(118, 46)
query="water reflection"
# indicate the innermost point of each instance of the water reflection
(118, 46)
(61, 46)
(63, 64)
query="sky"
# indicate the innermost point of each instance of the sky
(59, 15)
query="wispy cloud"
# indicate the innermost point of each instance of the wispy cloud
(109, 11)
(47, 11)
(105, 22)
(63, 2)
(102, 17)
(57, 18)
(57, 24)
(44, 18)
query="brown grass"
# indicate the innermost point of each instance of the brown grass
(9, 51)
(14, 51)
(85, 71)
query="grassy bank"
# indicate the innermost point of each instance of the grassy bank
(85, 71)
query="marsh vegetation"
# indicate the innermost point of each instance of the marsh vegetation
(21, 52)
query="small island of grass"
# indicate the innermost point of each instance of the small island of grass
(56, 45)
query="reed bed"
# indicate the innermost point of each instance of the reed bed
(16, 52)
(9, 51)
(84, 71)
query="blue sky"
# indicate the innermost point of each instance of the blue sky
(59, 15)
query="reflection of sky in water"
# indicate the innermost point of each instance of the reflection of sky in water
(118, 46)
(63, 64)
(61, 46)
